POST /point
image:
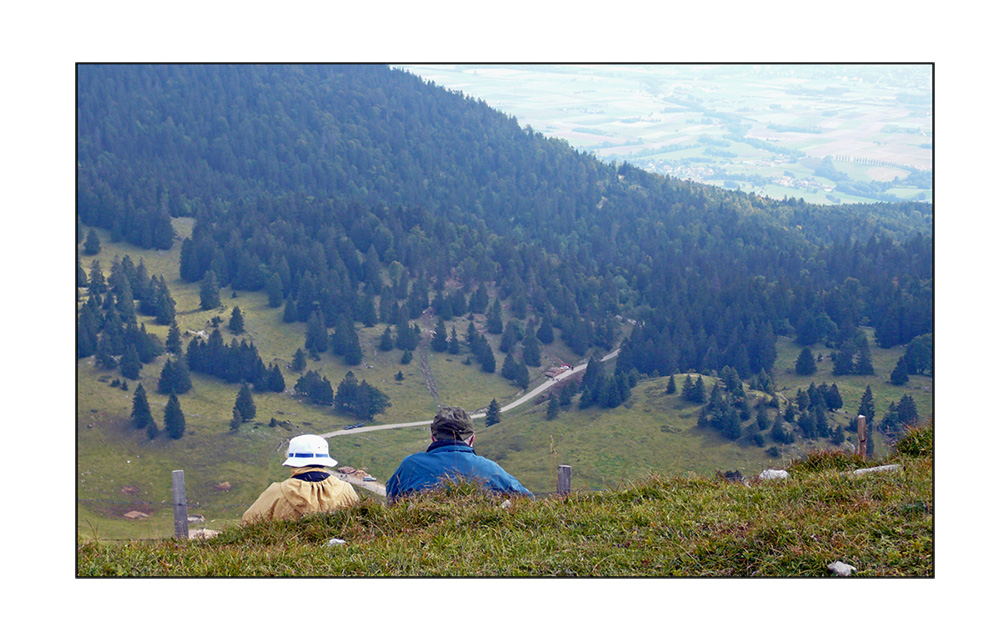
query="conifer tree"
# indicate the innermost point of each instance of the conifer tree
(867, 406)
(406, 358)
(291, 313)
(863, 365)
(521, 376)
(671, 385)
(173, 344)
(439, 342)
(532, 353)
(687, 389)
(453, 345)
(92, 245)
(806, 363)
(236, 321)
(386, 343)
(899, 375)
(833, 398)
(486, 359)
(907, 410)
(130, 365)
(141, 415)
(208, 292)
(299, 360)
(275, 290)
(494, 319)
(545, 333)
(173, 418)
(698, 395)
(493, 413)
(244, 404)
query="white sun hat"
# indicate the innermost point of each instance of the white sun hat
(308, 449)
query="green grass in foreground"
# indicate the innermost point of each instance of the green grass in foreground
(880, 522)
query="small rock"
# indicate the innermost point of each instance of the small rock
(505, 504)
(335, 542)
(773, 474)
(880, 468)
(841, 569)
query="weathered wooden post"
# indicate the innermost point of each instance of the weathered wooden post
(180, 505)
(862, 436)
(564, 478)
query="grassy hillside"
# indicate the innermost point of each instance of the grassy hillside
(119, 470)
(881, 523)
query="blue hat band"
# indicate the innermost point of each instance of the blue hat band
(307, 455)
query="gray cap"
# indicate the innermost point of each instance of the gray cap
(452, 423)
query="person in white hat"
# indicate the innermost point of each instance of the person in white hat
(311, 488)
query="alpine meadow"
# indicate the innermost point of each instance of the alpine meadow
(265, 251)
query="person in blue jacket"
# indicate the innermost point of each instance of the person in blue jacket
(450, 457)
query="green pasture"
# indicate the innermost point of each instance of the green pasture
(120, 470)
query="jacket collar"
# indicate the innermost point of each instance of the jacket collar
(450, 446)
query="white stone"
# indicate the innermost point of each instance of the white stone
(880, 468)
(841, 569)
(773, 474)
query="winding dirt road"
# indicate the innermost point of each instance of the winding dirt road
(476, 415)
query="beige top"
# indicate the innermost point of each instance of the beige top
(293, 498)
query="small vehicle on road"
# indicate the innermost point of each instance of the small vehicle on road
(356, 425)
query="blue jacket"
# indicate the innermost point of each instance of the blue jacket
(453, 460)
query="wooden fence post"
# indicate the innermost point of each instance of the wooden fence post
(565, 476)
(180, 505)
(862, 436)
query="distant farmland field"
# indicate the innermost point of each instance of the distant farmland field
(662, 118)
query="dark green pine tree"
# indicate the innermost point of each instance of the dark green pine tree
(671, 385)
(291, 313)
(173, 418)
(141, 415)
(130, 365)
(275, 290)
(486, 359)
(843, 363)
(406, 358)
(208, 292)
(454, 347)
(236, 325)
(806, 363)
(494, 319)
(521, 376)
(698, 395)
(833, 398)
(899, 374)
(439, 342)
(867, 406)
(236, 421)
(532, 353)
(509, 368)
(493, 413)
(103, 356)
(552, 411)
(399, 375)
(386, 343)
(317, 339)
(545, 333)
(907, 410)
(863, 364)
(173, 344)
(687, 389)
(244, 404)
(92, 245)
(299, 360)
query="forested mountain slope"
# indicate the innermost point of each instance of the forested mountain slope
(349, 188)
